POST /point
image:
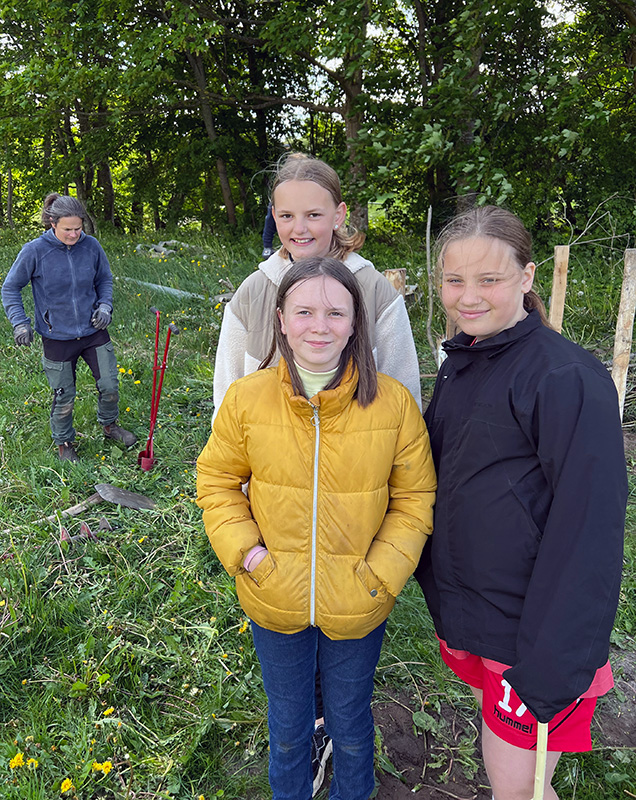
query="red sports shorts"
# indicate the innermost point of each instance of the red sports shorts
(509, 719)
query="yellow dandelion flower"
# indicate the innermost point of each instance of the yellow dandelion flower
(137, 381)
(142, 540)
(67, 785)
(108, 711)
(187, 388)
(217, 306)
(33, 763)
(17, 761)
(127, 408)
(106, 767)
(96, 766)
(24, 681)
(243, 627)
(130, 372)
(200, 797)
(122, 370)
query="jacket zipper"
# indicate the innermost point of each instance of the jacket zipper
(314, 520)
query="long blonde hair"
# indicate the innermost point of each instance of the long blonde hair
(299, 167)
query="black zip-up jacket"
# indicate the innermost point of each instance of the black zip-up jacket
(525, 559)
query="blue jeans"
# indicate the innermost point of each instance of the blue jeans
(347, 668)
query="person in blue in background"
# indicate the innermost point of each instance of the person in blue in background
(72, 289)
(269, 229)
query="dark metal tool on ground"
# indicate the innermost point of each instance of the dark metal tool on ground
(146, 458)
(105, 491)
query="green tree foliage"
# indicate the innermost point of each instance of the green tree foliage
(157, 113)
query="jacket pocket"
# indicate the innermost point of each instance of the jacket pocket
(370, 582)
(47, 318)
(262, 571)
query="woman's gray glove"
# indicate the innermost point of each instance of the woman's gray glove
(23, 334)
(102, 317)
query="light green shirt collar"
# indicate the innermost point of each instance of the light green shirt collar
(314, 382)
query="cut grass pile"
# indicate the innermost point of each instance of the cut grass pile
(126, 664)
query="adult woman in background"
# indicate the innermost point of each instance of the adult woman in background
(72, 289)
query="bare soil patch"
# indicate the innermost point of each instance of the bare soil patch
(445, 761)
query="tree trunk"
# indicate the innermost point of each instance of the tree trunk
(136, 216)
(359, 209)
(155, 199)
(105, 183)
(196, 62)
(466, 196)
(83, 180)
(256, 79)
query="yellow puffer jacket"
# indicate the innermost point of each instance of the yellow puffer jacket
(341, 496)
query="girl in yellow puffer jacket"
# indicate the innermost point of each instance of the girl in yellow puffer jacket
(340, 503)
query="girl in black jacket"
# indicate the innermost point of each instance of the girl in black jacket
(522, 573)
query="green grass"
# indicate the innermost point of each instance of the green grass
(133, 651)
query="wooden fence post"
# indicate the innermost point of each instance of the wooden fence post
(625, 327)
(559, 285)
(397, 278)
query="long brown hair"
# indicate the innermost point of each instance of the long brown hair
(494, 223)
(299, 167)
(358, 348)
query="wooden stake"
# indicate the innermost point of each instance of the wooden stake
(559, 285)
(542, 754)
(625, 327)
(397, 277)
